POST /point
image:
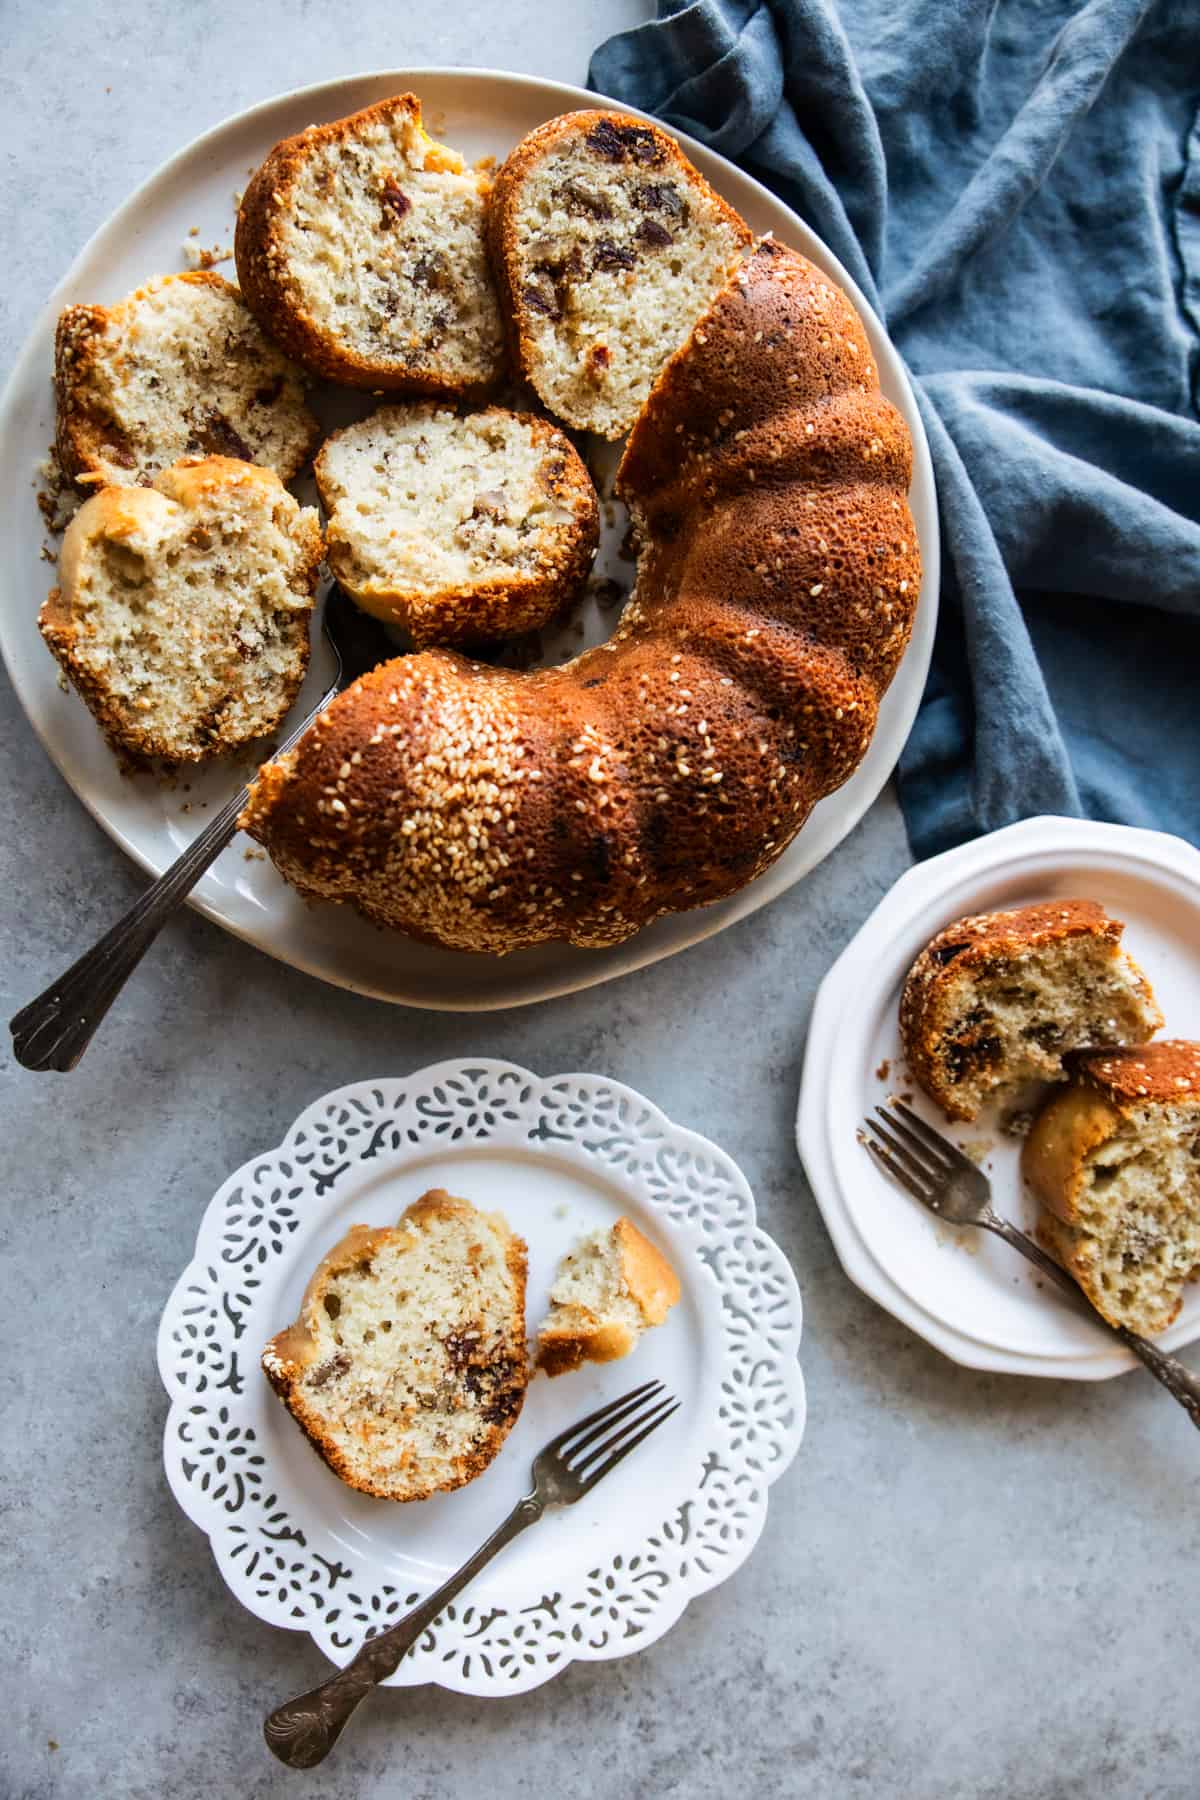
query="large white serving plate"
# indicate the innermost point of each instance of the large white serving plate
(482, 113)
(965, 1291)
(602, 1578)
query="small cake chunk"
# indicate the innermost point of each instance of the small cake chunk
(607, 246)
(360, 247)
(182, 611)
(459, 527)
(613, 1286)
(1114, 1159)
(994, 1001)
(407, 1366)
(180, 368)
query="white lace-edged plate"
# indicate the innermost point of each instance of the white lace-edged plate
(558, 1157)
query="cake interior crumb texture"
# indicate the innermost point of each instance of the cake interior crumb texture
(618, 249)
(180, 368)
(591, 1286)
(186, 607)
(425, 502)
(611, 1287)
(383, 240)
(1010, 1023)
(415, 1352)
(1139, 1205)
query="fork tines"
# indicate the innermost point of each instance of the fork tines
(594, 1445)
(917, 1156)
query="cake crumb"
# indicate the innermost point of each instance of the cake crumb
(976, 1149)
(56, 497)
(884, 1070)
(199, 257)
(1019, 1122)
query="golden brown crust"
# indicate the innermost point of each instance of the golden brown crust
(649, 1281)
(488, 809)
(507, 606)
(1142, 1074)
(504, 200)
(273, 293)
(1108, 1088)
(563, 1348)
(89, 441)
(974, 945)
(85, 436)
(291, 1352)
(120, 512)
(1072, 1124)
(647, 1274)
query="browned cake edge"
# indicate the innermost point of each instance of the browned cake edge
(500, 608)
(273, 295)
(84, 429)
(288, 1355)
(972, 943)
(1106, 1087)
(504, 199)
(57, 626)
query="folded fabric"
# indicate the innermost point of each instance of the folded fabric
(1015, 186)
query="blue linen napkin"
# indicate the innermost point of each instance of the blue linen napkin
(1015, 185)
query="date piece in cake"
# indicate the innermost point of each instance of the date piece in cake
(607, 246)
(360, 247)
(460, 527)
(995, 1001)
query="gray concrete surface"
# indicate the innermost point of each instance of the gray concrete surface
(968, 1586)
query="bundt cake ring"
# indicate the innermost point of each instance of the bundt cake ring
(487, 809)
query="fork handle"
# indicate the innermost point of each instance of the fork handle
(54, 1030)
(303, 1731)
(1180, 1382)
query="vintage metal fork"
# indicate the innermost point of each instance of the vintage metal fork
(936, 1172)
(54, 1030)
(303, 1731)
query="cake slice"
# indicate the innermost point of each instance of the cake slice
(613, 1286)
(179, 368)
(1115, 1161)
(360, 248)
(459, 527)
(407, 1365)
(182, 610)
(995, 1001)
(607, 246)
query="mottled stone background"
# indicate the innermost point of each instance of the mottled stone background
(968, 1586)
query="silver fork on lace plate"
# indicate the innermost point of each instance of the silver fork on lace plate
(936, 1172)
(303, 1731)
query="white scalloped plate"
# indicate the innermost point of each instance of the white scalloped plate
(600, 1579)
(483, 113)
(967, 1293)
